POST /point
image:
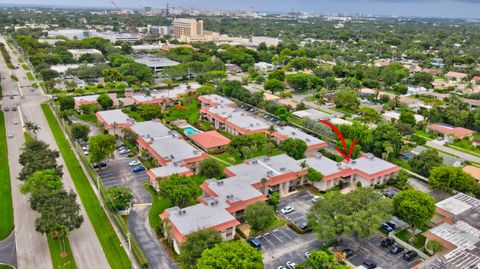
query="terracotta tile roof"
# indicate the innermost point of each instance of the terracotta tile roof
(450, 130)
(473, 171)
(208, 140)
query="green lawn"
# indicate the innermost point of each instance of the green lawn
(276, 223)
(236, 160)
(425, 134)
(3, 266)
(418, 242)
(56, 248)
(401, 163)
(25, 67)
(189, 111)
(467, 147)
(28, 137)
(159, 204)
(86, 117)
(116, 255)
(6, 207)
(30, 76)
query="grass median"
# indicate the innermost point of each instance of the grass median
(6, 207)
(116, 255)
(61, 253)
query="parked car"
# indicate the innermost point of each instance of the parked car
(388, 242)
(287, 209)
(10, 135)
(6, 108)
(303, 225)
(392, 224)
(397, 249)
(254, 243)
(134, 163)
(390, 194)
(291, 265)
(138, 168)
(103, 164)
(15, 121)
(410, 255)
(95, 165)
(14, 108)
(316, 198)
(386, 228)
(124, 151)
(12, 97)
(348, 252)
(370, 264)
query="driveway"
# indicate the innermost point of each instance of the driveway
(301, 201)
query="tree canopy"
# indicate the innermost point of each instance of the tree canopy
(414, 207)
(259, 215)
(195, 243)
(231, 254)
(294, 148)
(448, 179)
(424, 162)
(180, 190)
(101, 146)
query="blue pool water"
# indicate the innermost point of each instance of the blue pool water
(190, 131)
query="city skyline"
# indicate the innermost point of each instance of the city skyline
(414, 8)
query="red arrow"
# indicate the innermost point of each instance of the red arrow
(345, 154)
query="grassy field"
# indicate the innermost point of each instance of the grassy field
(25, 67)
(30, 76)
(159, 204)
(56, 248)
(418, 242)
(466, 146)
(3, 266)
(116, 255)
(6, 207)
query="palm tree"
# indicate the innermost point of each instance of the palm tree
(32, 127)
(264, 183)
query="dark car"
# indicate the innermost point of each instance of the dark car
(392, 224)
(388, 242)
(254, 243)
(396, 249)
(303, 225)
(6, 108)
(95, 165)
(348, 252)
(138, 168)
(385, 227)
(102, 164)
(14, 108)
(370, 264)
(410, 255)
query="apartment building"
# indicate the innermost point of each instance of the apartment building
(225, 115)
(114, 120)
(77, 53)
(368, 170)
(222, 203)
(186, 27)
(173, 153)
(165, 98)
(92, 99)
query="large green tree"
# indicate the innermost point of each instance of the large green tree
(118, 198)
(414, 207)
(346, 98)
(80, 131)
(150, 111)
(259, 215)
(37, 156)
(195, 243)
(42, 181)
(295, 148)
(321, 260)
(180, 190)
(101, 147)
(359, 213)
(386, 139)
(231, 254)
(105, 101)
(273, 85)
(448, 179)
(210, 169)
(424, 162)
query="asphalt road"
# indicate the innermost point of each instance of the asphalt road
(438, 145)
(32, 248)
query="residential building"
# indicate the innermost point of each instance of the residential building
(458, 231)
(165, 98)
(312, 114)
(120, 37)
(227, 117)
(158, 30)
(269, 41)
(92, 99)
(264, 67)
(210, 140)
(156, 63)
(393, 115)
(77, 53)
(367, 170)
(71, 33)
(187, 27)
(473, 171)
(448, 160)
(456, 75)
(169, 149)
(114, 120)
(223, 202)
(448, 130)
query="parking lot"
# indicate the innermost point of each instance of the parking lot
(371, 249)
(119, 173)
(283, 244)
(301, 201)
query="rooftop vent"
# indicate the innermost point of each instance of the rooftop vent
(266, 159)
(370, 156)
(283, 169)
(172, 157)
(307, 139)
(219, 182)
(230, 196)
(319, 156)
(293, 133)
(353, 162)
(182, 212)
(254, 161)
(339, 164)
(270, 172)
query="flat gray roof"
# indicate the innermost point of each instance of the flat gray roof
(236, 188)
(167, 94)
(174, 149)
(166, 171)
(260, 167)
(199, 217)
(115, 116)
(371, 164)
(296, 133)
(322, 164)
(218, 99)
(155, 61)
(312, 114)
(240, 118)
(151, 129)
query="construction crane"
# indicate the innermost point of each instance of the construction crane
(115, 4)
(129, 18)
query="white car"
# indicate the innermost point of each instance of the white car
(15, 121)
(10, 135)
(291, 265)
(316, 198)
(134, 163)
(287, 209)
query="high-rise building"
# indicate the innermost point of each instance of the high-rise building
(187, 28)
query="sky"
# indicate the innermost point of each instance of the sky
(422, 8)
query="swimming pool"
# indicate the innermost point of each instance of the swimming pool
(190, 131)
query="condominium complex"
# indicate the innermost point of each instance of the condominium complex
(184, 27)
